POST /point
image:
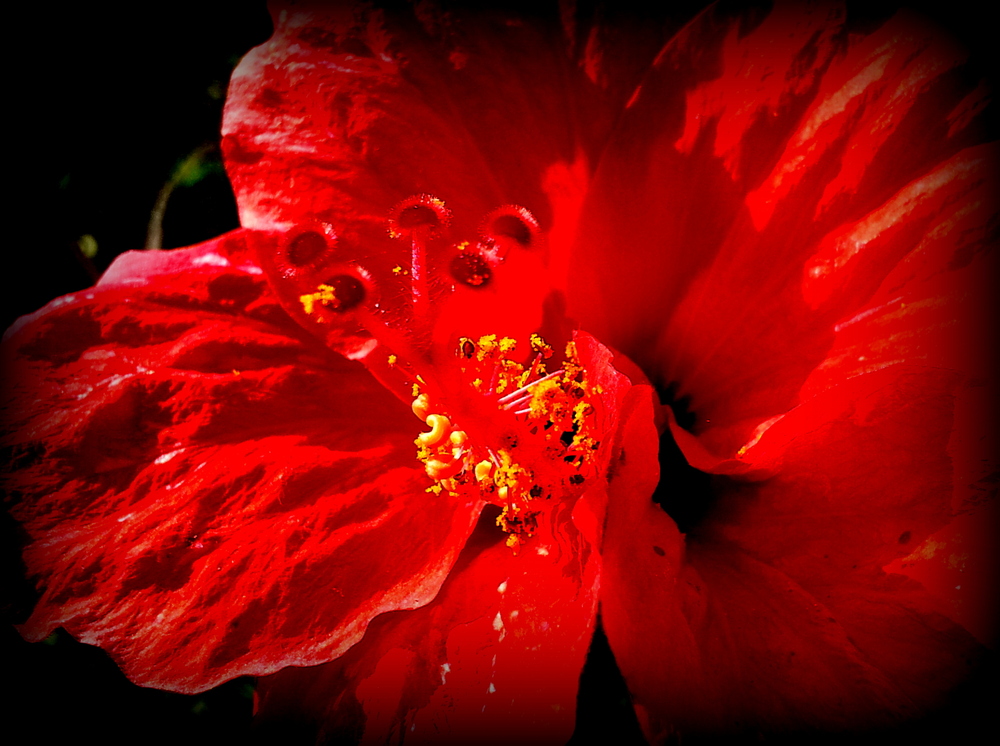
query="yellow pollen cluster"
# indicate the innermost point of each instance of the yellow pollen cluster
(325, 295)
(547, 449)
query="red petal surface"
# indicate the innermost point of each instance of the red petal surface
(349, 110)
(789, 230)
(208, 491)
(776, 614)
(775, 178)
(496, 658)
(346, 111)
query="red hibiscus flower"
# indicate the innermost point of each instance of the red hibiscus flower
(534, 323)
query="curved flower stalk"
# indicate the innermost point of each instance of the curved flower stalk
(532, 320)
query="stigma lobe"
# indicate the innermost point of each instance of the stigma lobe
(393, 284)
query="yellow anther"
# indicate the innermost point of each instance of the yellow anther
(440, 425)
(307, 301)
(483, 470)
(539, 345)
(325, 295)
(543, 398)
(553, 413)
(392, 360)
(421, 406)
(440, 470)
(486, 345)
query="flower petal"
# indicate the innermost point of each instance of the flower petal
(777, 615)
(864, 474)
(209, 491)
(777, 170)
(958, 567)
(348, 110)
(496, 658)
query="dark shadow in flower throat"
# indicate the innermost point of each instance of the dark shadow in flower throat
(684, 493)
(604, 709)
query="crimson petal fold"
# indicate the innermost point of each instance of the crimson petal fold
(496, 658)
(208, 491)
(776, 614)
(776, 176)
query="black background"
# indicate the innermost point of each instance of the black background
(104, 105)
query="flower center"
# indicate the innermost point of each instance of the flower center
(504, 428)
(539, 443)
